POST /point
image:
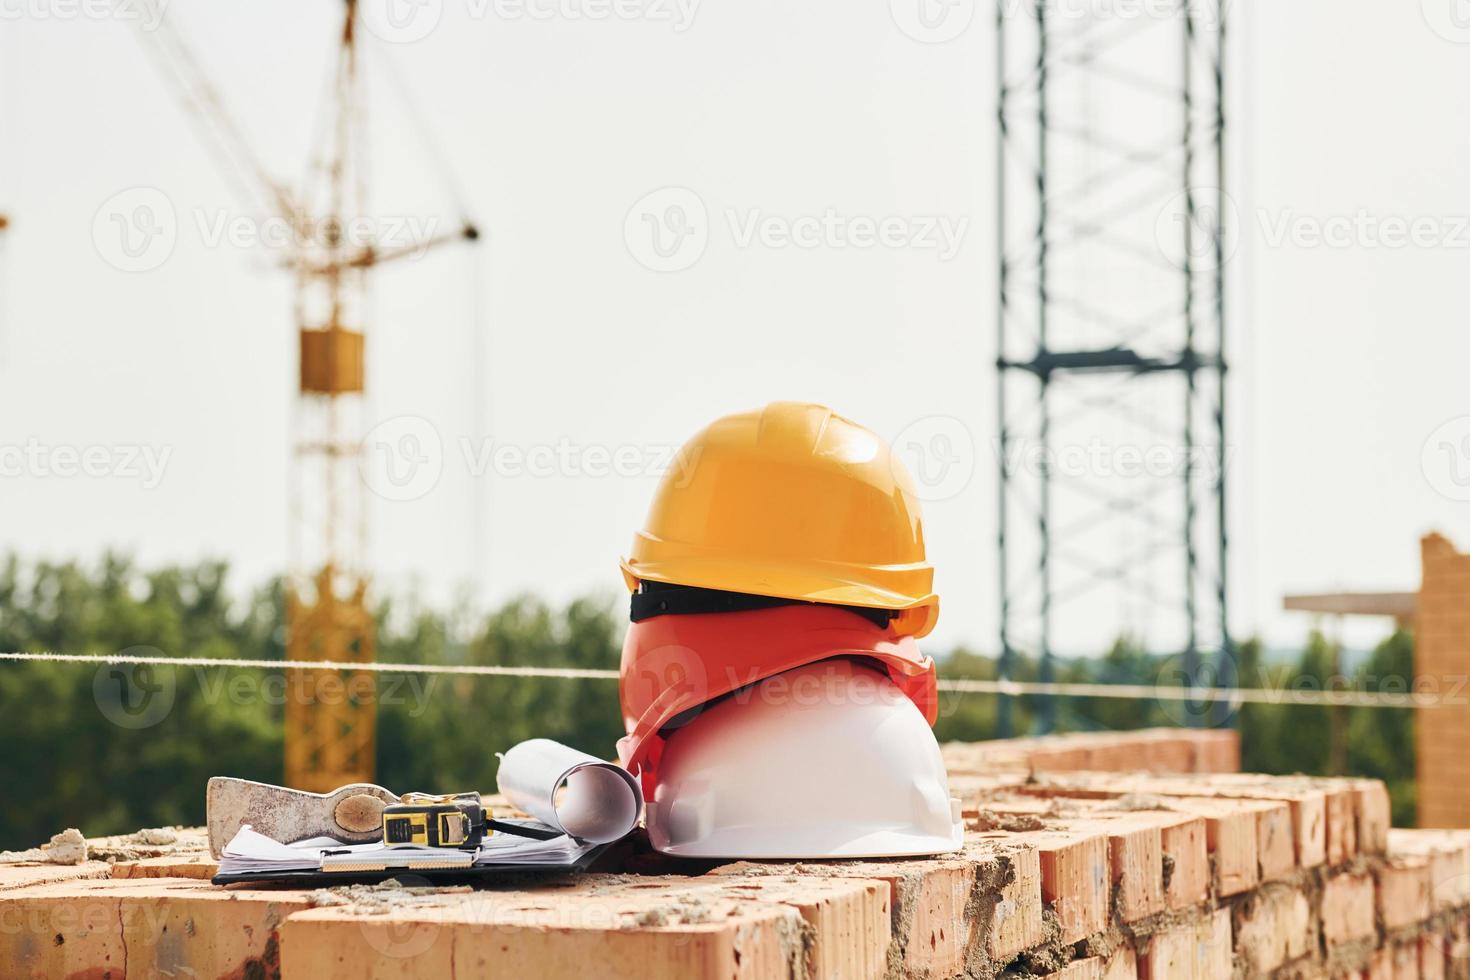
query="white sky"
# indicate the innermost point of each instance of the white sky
(1346, 359)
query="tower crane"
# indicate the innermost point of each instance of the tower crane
(330, 715)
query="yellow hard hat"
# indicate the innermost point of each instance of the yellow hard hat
(791, 501)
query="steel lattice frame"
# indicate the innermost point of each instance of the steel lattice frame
(1111, 372)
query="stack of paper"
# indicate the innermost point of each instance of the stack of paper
(508, 849)
(252, 853)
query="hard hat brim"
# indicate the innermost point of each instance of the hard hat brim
(832, 841)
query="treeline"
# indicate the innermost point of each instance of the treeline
(112, 749)
(1274, 738)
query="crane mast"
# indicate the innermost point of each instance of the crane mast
(330, 715)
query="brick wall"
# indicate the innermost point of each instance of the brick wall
(1442, 666)
(1156, 872)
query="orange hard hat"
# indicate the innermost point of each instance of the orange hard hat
(675, 665)
(790, 501)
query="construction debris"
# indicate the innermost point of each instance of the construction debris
(67, 847)
(383, 898)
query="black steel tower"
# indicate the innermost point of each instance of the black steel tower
(1114, 231)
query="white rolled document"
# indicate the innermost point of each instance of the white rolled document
(577, 793)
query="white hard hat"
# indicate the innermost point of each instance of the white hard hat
(829, 760)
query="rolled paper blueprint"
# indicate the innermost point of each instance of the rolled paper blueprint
(576, 793)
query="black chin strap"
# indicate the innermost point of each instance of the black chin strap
(662, 599)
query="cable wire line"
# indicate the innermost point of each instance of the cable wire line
(1235, 696)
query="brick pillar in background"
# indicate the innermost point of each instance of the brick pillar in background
(1442, 663)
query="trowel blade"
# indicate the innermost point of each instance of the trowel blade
(352, 814)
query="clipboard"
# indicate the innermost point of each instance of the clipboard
(316, 878)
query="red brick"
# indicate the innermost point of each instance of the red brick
(1136, 862)
(1373, 806)
(1431, 956)
(1310, 826)
(1216, 750)
(1059, 759)
(1075, 877)
(1167, 751)
(1190, 951)
(1457, 947)
(1275, 926)
(938, 924)
(1121, 965)
(1348, 908)
(1286, 837)
(1404, 890)
(1342, 824)
(1441, 653)
(1018, 924)
(1448, 853)
(1231, 836)
(199, 867)
(657, 929)
(1185, 841)
(13, 876)
(141, 928)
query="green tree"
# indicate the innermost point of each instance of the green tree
(1381, 740)
(112, 749)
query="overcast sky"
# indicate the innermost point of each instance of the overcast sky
(146, 388)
